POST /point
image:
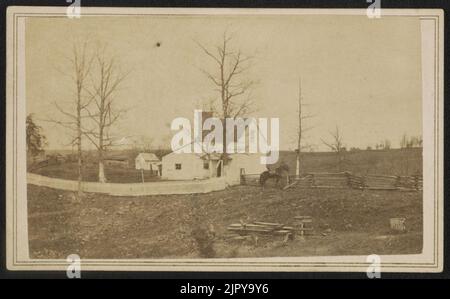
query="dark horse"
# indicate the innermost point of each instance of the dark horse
(277, 174)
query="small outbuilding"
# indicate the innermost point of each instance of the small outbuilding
(148, 161)
(243, 163)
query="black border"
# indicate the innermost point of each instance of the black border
(231, 276)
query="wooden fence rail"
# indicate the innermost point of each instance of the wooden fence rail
(348, 180)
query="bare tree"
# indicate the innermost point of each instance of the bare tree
(410, 142)
(336, 145)
(299, 141)
(419, 141)
(146, 143)
(404, 141)
(103, 113)
(301, 128)
(72, 113)
(229, 80)
(415, 141)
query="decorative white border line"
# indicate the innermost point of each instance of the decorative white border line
(248, 264)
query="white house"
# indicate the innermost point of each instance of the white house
(148, 161)
(192, 166)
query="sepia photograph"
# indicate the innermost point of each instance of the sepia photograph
(224, 139)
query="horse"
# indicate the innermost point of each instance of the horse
(277, 174)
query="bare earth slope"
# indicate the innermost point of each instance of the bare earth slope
(346, 222)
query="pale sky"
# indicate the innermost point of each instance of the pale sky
(360, 74)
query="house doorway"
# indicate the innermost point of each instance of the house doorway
(219, 169)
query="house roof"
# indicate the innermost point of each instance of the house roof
(117, 158)
(203, 156)
(149, 157)
(211, 156)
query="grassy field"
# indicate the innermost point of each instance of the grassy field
(361, 162)
(345, 221)
(383, 162)
(114, 174)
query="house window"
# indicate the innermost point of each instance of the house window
(205, 164)
(177, 166)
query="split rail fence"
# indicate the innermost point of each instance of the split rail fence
(347, 180)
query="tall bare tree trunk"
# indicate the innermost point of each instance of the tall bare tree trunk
(79, 153)
(105, 82)
(229, 80)
(101, 171)
(81, 64)
(101, 164)
(299, 141)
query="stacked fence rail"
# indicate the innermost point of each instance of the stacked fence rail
(343, 180)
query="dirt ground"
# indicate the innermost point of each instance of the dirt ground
(345, 222)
